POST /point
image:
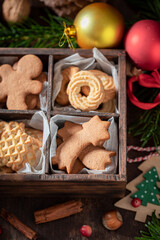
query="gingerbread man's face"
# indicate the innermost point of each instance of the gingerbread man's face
(31, 65)
(17, 84)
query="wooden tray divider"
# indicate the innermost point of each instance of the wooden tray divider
(122, 119)
(34, 184)
(49, 97)
(62, 52)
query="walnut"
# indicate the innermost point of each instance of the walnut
(16, 10)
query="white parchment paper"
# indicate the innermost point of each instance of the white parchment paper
(57, 122)
(98, 61)
(43, 97)
(38, 121)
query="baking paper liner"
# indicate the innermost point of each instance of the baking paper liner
(57, 122)
(98, 61)
(39, 122)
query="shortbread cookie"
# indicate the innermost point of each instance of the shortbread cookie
(15, 126)
(37, 134)
(11, 126)
(31, 155)
(69, 129)
(96, 158)
(71, 148)
(78, 166)
(108, 84)
(62, 97)
(13, 148)
(93, 157)
(33, 100)
(16, 147)
(3, 126)
(59, 141)
(96, 93)
(17, 84)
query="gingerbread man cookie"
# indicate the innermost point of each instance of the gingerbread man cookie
(17, 84)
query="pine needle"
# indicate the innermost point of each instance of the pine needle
(33, 34)
(146, 9)
(147, 125)
(153, 228)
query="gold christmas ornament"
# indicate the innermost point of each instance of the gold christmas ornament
(97, 25)
(15, 11)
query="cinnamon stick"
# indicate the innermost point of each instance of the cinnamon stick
(58, 211)
(15, 222)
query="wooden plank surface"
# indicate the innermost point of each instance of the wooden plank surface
(94, 208)
(68, 228)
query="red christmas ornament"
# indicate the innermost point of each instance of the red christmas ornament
(136, 202)
(86, 231)
(142, 43)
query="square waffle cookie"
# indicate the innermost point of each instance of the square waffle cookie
(17, 147)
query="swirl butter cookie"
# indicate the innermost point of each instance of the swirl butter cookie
(96, 93)
(108, 84)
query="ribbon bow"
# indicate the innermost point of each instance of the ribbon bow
(145, 80)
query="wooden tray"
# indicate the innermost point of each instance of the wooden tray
(47, 184)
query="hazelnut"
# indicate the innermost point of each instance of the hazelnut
(112, 220)
(15, 11)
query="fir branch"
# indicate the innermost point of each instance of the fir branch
(146, 9)
(147, 126)
(153, 230)
(33, 34)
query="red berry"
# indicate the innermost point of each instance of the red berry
(86, 230)
(136, 202)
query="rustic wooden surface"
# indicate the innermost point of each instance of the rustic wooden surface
(68, 228)
(94, 208)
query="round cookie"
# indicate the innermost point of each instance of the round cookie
(108, 84)
(96, 93)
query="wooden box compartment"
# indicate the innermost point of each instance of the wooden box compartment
(47, 184)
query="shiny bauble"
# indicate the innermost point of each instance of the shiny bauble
(136, 202)
(99, 25)
(142, 43)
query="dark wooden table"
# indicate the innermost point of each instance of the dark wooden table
(94, 208)
(68, 228)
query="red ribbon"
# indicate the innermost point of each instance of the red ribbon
(145, 80)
